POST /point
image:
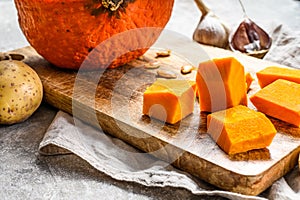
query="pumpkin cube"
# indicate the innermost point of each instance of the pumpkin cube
(240, 129)
(169, 100)
(249, 80)
(273, 73)
(248, 76)
(281, 100)
(221, 84)
(194, 86)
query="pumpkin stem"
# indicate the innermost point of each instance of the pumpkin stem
(113, 5)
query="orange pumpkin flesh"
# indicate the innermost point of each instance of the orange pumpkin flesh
(221, 84)
(249, 80)
(281, 100)
(169, 100)
(65, 31)
(240, 129)
(273, 73)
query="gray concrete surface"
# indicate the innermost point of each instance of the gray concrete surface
(24, 174)
(10, 35)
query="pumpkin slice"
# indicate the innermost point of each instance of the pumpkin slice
(272, 73)
(221, 84)
(169, 100)
(281, 100)
(240, 129)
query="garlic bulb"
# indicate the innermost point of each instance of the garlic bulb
(210, 30)
(250, 38)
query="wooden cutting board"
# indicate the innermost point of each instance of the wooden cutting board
(112, 100)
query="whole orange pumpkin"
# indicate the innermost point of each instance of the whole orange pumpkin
(64, 32)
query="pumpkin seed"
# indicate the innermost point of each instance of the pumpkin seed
(166, 74)
(145, 58)
(166, 53)
(186, 69)
(152, 65)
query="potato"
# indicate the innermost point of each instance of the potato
(21, 91)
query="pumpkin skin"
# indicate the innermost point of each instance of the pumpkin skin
(64, 32)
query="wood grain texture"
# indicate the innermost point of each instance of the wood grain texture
(112, 100)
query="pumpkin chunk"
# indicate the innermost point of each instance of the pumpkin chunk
(221, 84)
(248, 76)
(240, 129)
(281, 100)
(272, 73)
(249, 80)
(169, 100)
(194, 86)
